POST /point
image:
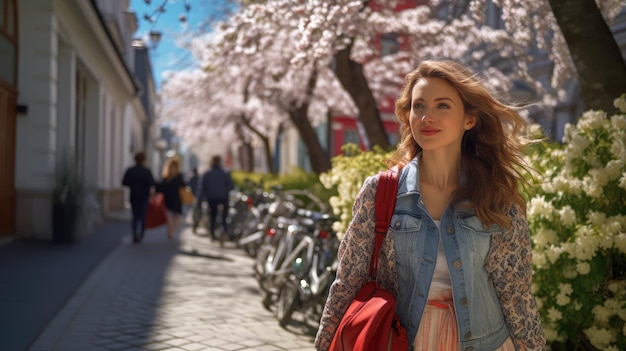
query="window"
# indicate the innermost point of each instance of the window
(389, 44)
(350, 137)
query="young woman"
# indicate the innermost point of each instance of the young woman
(457, 255)
(170, 186)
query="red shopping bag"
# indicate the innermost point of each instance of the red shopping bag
(156, 215)
(371, 322)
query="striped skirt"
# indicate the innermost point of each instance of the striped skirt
(439, 332)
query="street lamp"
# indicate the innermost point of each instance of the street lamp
(155, 38)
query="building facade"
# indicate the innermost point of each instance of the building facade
(72, 102)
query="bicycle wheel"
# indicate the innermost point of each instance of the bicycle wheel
(267, 299)
(288, 298)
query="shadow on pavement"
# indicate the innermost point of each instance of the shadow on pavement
(195, 253)
(38, 277)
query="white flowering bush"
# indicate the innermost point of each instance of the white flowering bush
(577, 219)
(347, 175)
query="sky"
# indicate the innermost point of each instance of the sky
(169, 55)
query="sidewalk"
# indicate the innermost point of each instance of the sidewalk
(37, 278)
(186, 294)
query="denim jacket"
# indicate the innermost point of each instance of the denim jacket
(490, 269)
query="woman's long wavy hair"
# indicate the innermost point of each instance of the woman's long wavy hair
(491, 157)
(171, 169)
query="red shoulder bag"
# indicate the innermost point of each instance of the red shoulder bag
(370, 322)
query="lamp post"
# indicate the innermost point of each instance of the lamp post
(155, 38)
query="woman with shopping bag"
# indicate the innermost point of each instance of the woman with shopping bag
(171, 184)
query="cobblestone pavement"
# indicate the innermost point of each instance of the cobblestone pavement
(186, 294)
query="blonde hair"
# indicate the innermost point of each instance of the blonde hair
(490, 151)
(171, 168)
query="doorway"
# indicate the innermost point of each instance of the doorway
(8, 102)
(8, 113)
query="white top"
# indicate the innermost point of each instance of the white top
(441, 286)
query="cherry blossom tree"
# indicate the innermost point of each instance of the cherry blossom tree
(279, 49)
(205, 104)
(261, 50)
(257, 69)
(339, 34)
(457, 30)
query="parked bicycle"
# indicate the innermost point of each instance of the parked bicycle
(289, 232)
(313, 271)
(277, 203)
(299, 249)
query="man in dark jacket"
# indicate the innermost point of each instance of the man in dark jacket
(139, 179)
(216, 186)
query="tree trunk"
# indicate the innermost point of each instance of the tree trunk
(246, 153)
(247, 157)
(596, 55)
(351, 76)
(320, 161)
(266, 144)
(299, 115)
(329, 134)
(264, 138)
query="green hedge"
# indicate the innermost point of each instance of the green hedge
(297, 179)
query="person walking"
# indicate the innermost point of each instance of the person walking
(457, 255)
(216, 186)
(140, 181)
(171, 184)
(194, 181)
(195, 185)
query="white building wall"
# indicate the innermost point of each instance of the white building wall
(121, 29)
(60, 39)
(115, 152)
(108, 137)
(119, 154)
(37, 74)
(66, 112)
(110, 77)
(36, 131)
(93, 146)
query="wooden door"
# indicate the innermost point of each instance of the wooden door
(8, 115)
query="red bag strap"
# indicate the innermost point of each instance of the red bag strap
(385, 204)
